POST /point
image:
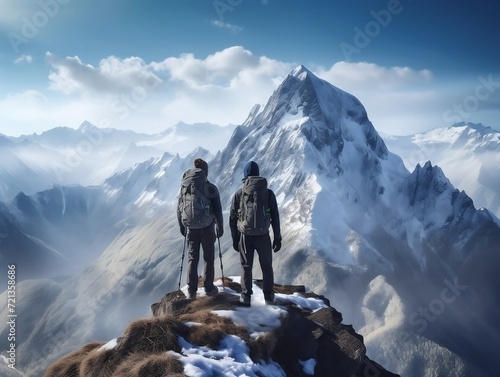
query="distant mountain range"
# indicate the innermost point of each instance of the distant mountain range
(89, 155)
(408, 258)
(468, 153)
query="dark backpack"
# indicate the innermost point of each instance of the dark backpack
(195, 205)
(254, 212)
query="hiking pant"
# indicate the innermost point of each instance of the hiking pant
(248, 245)
(206, 239)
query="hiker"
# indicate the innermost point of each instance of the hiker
(253, 210)
(199, 213)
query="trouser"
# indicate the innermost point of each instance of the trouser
(206, 239)
(248, 245)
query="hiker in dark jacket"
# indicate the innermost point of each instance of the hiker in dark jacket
(204, 237)
(246, 244)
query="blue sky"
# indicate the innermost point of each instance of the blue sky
(147, 64)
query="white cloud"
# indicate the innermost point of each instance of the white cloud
(13, 105)
(366, 75)
(216, 69)
(32, 111)
(113, 75)
(223, 87)
(219, 88)
(398, 100)
(24, 59)
(226, 25)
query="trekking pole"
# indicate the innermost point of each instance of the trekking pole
(220, 255)
(221, 266)
(182, 263)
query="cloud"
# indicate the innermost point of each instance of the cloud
(113, 75)
(367, 75)
(216, 69)
(24, 59)
(33, 111)
(220, 88)
(223, 87)
(398, 100)
(33, 100)
(131, 93)
(226, 25)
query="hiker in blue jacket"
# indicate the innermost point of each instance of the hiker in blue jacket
(253, 210)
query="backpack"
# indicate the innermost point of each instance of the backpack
(254, 212)
(195, 205)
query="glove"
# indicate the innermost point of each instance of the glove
(183, 231)
(276, 245)
(236, 246)
(219, 232)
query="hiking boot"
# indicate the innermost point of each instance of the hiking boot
(212, 292)
(191, 295)
(245, 300)
(269, 299)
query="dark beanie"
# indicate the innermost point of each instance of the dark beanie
(201, 164)
(251, 169)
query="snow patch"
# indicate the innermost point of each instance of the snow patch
(109, 345)
(230, 359)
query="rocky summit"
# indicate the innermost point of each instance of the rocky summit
(300, 335)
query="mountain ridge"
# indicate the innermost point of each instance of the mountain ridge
(89, 155)
(468, 153)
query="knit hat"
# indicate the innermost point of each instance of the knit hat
(251, 169)
(201, 164)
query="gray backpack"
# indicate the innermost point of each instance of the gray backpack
(254, 213)
(195, 205)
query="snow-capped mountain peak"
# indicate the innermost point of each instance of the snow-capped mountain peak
(300, 72)
(475, 126)
(305, 106)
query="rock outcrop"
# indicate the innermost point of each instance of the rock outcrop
(301, 335)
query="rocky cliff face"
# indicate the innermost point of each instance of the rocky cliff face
(301, 335)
